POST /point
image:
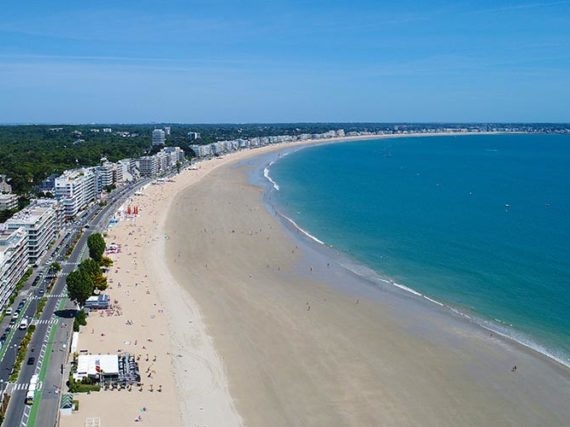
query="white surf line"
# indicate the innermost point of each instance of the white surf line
(306, 233)
(266, 175)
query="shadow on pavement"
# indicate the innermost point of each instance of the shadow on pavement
(65, 314)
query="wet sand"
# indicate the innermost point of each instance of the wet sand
(306, 343)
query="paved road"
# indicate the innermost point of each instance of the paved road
(50, 342)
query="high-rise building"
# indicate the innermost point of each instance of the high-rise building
(167, 130)
(148, 166)
(105, 175)
(74, 189)
(13, 260)
(39, 222)
(158, 137)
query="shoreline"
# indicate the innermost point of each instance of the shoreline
(378, 279)
(507, 332)
(214, 378)
(232, 288)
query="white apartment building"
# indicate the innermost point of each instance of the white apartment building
(74, 189)
(13, 260)
(202, 150)
(105, 174)
(174, 154)
(40, 224)
(8, 201)
(158, 137)
(161, 162)
(56, 206)
(125, 171)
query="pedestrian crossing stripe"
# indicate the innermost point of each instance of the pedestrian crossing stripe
(51, 296)
(25, 386)
(45, 322)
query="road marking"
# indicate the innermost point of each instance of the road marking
(51, 321)
(44, 366)
(62, 295)
(22, 386)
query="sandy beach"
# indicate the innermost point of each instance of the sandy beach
(251, 324)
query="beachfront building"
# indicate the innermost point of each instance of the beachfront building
(161, 162)
(108, 369)
(105, 174)
(8, 201)
(98, 302)
(222, 147)
(148, 166)
(40, 222)
(125, 170)
(158, 137)
(13, 260)
(74, 189)
(173, 155)
(56, 206)
(201, 151)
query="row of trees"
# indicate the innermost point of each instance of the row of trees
(89, 277)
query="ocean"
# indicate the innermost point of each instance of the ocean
(480, 223)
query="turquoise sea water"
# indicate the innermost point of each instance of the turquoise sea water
(481, 223)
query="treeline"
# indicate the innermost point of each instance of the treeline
(29, 154)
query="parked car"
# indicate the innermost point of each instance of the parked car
(31, 360)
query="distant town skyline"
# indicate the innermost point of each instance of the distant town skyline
(290, 61)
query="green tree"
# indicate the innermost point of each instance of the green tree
(90, 267)
(96, 245)
(178, 164)
(79, 286)
(55, 267)
(93, 269)
(106, 262)
(80, 320)
(100, 283)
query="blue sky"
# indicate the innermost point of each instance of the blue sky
(284, 60)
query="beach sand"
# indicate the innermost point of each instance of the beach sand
(255, 325)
